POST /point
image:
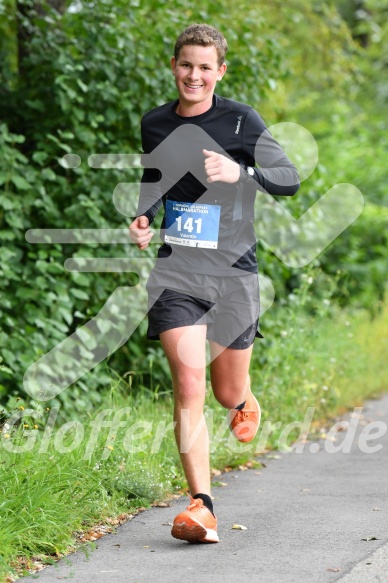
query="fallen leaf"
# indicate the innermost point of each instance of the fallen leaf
(122, 516)
(368, 538)
(162, 505)
(146, 546)
(215, 472)
(356, 415)
(376, 509)
(219, 484)
(239, 527)
(334, 569)
(305, 490)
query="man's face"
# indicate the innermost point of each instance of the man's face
(196, 73)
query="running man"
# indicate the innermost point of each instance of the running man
(205, 284)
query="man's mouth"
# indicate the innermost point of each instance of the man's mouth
(193, 86)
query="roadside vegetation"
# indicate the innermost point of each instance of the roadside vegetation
(70, 482)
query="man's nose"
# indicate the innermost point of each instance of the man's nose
(195, 73)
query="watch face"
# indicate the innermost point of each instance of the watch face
(250, 171)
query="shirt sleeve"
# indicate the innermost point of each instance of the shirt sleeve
(150, 197)
(275, 174)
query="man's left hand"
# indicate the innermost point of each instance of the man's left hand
(220, 168)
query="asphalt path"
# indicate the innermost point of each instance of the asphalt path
(306, 515)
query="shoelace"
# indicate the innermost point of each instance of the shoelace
(242, 415)
(195, 504)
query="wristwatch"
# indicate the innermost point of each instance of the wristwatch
(248, 170)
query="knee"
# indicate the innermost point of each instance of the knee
(229, 398)
(189, 389)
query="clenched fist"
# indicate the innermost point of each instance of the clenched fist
(220, 168)
(140, 233)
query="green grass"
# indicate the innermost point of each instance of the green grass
(47, 495)
(332, 360)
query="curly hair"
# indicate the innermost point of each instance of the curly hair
(203, 35)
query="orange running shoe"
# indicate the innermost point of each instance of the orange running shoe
(196, 524)
(245, 423)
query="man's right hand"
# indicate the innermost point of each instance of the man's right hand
(140, 233)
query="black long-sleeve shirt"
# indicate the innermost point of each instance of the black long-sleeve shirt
(174, 171)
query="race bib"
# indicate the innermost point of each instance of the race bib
(192, 225)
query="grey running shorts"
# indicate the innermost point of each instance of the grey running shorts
(228, 305)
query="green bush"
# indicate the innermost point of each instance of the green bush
(84, 80)
(77, 81)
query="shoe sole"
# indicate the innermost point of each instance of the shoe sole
(251, 437)
(194, 532)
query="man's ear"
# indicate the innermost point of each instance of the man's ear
(173, 64)
(221, 71)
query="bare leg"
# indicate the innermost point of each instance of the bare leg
(229, 372)
(189, 385)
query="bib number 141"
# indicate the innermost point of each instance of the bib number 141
(192, 224)
(189, 225)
